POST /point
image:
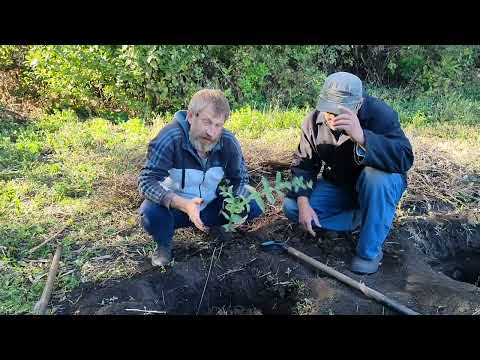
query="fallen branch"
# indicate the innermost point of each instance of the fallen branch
(54, 236)
(369, 292)
(41, 306)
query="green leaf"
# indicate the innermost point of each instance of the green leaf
(266, 185)
(278, 179)
(270, 198)
(295, 184)
(225, 215)
(268, 190)
(236, 219)
(260, 202)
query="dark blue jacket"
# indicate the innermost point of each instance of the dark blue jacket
(387, 147)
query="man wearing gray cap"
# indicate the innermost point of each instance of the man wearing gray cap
(365, 157)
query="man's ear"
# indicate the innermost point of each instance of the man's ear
(189, 117)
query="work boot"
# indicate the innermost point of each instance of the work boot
(162, 256)
(365, 266)
(220, 235)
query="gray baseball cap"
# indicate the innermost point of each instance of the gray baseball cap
(340, 88)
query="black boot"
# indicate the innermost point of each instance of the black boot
(162, 256)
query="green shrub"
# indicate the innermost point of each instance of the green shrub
(12, 56)
(118, 82)
(6, 56)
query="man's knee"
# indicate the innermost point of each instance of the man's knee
(372, 177)
(151, 213)
(290, 208)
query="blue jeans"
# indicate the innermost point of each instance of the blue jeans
(161, 222)
(372, 207)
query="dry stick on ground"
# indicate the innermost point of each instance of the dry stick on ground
(147, 311)
(206, 281)
(222, 276)
(48, 240)
(41, 305)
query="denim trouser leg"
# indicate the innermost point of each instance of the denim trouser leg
(161, 222)
(334, 206)
(341, 209)
(378, 196)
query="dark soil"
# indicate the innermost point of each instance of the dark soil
(464, 267)
(429, 266)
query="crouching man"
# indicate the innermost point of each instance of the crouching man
(365, 157)
(185, 163)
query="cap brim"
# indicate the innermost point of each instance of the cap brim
(324, 105)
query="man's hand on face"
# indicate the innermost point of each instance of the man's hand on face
(306, 215)
(191, 208)
(348, 121)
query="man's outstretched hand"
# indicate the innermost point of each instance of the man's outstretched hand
(191, 207)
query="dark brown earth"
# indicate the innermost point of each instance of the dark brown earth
(417, 271)
(431, 264)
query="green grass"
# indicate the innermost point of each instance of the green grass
(251, 123)
(48, 177)
(426, 109)
(60, 170)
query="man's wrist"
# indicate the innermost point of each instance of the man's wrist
(178, 202)
(167, 199)
(302, 202)
(361, 140)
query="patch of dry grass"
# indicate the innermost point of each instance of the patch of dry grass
(442, 178)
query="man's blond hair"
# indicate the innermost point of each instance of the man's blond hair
(201, 99)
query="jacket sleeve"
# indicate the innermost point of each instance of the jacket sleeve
(159, 161)
(388, 150)
(306, 163)
(236, 171)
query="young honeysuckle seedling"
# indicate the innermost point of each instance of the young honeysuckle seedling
(236, 208)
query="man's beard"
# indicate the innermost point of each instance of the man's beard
(198, 145)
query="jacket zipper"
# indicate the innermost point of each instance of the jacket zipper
(204, 173)
(204, 168)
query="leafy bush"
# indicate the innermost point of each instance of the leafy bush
(12, 56)
(116, 82)
(437, 69)
(78, 76)
(6, 56)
